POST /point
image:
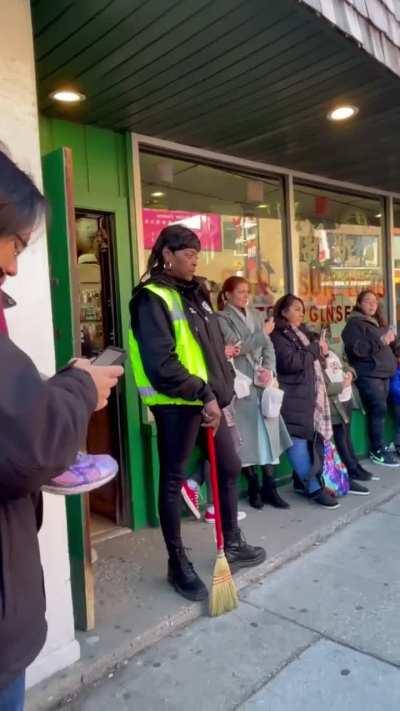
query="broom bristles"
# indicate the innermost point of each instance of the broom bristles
(223, 595)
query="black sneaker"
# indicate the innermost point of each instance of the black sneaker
(298, 485)
(360, 474)
(183, 577)
(358, 489)
(240, 554)
(384, 457)
(327, 499)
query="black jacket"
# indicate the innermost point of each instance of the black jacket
(296, 376)
(364, 348)
(42, 425)
(152, 327)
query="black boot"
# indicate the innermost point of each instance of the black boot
(253, 488)
(269, 491)
(183, 577)
(239, 553)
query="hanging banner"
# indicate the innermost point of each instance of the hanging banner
(207, 226)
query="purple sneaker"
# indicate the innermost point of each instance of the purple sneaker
(88, 472)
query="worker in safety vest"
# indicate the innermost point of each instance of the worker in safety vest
(181, 372)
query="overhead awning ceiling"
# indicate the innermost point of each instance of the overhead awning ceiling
(246, 77)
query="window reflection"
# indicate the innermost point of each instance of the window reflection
(237, 218)
(338, 251)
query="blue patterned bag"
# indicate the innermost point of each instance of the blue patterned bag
(334, 473)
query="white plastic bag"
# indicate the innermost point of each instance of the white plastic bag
(271, 402)
(241, 384)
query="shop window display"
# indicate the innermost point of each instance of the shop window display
(239, 220)
(338, 251)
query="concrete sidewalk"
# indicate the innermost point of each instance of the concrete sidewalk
(136, 608)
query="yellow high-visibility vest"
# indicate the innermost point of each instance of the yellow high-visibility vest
(187, 349)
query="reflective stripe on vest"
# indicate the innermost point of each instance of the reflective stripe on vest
(187, 349)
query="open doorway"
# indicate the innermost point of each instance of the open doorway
(99, 328)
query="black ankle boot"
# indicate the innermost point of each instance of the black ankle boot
(239, 553)
(253, 488)
(269, 492)
(183, 577)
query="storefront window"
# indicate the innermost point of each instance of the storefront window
(239, 220)
(338, 251)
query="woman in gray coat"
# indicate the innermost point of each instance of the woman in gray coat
(263, 441)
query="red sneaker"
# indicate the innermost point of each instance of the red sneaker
(191, 499)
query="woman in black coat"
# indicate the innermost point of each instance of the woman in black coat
(368, 344)
(305, 407)
(42, 425)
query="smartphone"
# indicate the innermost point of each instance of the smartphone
(323, 334)
(110, 356)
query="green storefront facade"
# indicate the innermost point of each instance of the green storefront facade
(103, 180)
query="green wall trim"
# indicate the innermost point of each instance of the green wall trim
(102, 181)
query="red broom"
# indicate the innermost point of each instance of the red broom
(223, 595)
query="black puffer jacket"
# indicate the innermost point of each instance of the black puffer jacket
(42, 425)
(152, 326)
(364, 348)
(296, 376)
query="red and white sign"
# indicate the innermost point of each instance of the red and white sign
(206, 225)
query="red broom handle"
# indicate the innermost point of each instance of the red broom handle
(214, 486)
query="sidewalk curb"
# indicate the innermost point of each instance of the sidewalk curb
(61, 687)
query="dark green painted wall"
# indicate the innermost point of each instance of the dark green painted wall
(101, 163)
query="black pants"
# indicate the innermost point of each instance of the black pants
(374, 394)
(178, 427)
(344, 445)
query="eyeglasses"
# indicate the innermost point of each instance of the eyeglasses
(19, 245)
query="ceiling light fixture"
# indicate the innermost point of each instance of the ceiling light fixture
(379, 215)
(67, 96)
(342, 113)
(262, 205)
(158, 193)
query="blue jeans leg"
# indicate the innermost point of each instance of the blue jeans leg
(300, 459)
(12, 696)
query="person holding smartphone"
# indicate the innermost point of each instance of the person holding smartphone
(42, 424)
(181, 372)
(262, 440)
(300, 360)
(369, 343)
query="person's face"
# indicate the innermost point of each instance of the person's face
(181, 264)
(239, 297)
(369, 305)
(10, 248)
(294, 313)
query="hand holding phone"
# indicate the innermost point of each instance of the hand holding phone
(104, 378)
(110, 356)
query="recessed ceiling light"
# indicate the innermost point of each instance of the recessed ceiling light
(67, 96)
(342, 113)
(262, 205)
(378, 215)
(157, 194)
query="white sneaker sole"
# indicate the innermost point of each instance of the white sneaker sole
(359, 493)
(240, 517)
(189, 503)
(80, 489)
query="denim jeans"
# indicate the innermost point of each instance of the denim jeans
(396, 413)
(374, 394)
(12, 696)
(300, 459)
